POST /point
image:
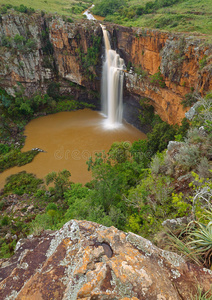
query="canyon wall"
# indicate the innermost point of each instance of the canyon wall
(40, 49)
(37, 50)
(184, 61)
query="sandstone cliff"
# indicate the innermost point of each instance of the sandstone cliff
(70, 53)
(36, 50)
(84, 260)
(184, 61)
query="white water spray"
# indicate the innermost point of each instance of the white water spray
(112, 84)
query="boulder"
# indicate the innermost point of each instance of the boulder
(84, 260)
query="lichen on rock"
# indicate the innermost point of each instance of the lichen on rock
(74, 263)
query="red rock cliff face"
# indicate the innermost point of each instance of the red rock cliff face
(185, 63)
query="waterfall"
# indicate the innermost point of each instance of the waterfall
(112, 83)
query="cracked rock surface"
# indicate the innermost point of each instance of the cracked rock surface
(84, 260)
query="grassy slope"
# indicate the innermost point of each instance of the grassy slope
(63, 7)
(187, 16)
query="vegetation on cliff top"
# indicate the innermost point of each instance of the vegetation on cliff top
(172, 15)
(68, 8)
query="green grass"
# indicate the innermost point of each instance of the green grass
(63, 7)
(185, 16)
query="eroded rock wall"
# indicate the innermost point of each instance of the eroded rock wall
(58, 52)
(70, 53)
(84, 260)
(184, 61)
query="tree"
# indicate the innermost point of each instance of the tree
(61, 183)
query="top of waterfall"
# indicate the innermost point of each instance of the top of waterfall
(88, 14)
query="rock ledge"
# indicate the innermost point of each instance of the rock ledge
(84, 260)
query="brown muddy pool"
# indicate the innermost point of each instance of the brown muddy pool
(69, 139)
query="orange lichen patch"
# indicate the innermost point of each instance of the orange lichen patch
(76, 268)
(85, 261)
(133, 298)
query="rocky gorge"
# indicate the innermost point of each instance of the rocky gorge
(51, 54)
(39, 50)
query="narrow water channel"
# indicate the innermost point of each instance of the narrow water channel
(69, 139)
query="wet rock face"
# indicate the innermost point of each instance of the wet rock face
(84, 260)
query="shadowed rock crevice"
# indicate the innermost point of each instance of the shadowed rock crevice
(107, 249)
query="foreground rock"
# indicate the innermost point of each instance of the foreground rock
(84, 260)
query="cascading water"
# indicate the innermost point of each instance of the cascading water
(112, 83)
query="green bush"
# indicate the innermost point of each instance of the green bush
(54, 90)
(203, 62)
(6, 41)
(69, 20)
(5, 221)
(107, 7)
(188, 156)
(67, 105)
(150, 204)
(24, 9)
(61, 183)
(189, 100)
(157, 79)
(22, 183)
(161, 134)
(146, 114)
(16, 158)
(7, 249)
(4, 149)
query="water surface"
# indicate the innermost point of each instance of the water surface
(69, 139)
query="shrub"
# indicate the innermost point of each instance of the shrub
(189, 100)
(41, 223)
(53, 90)
(146, 114)
(24, 9)
(5, 221)
(6, 41)
(157, 79)
(67, 105)
(61, 182)
(31, 44)
(188, 156)
(195, 242)
(4, 149)
(203, 62)
(69, 20)
(16, 158)
(161, 134)
(107, 7)
(22, 183)
(157, 162)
